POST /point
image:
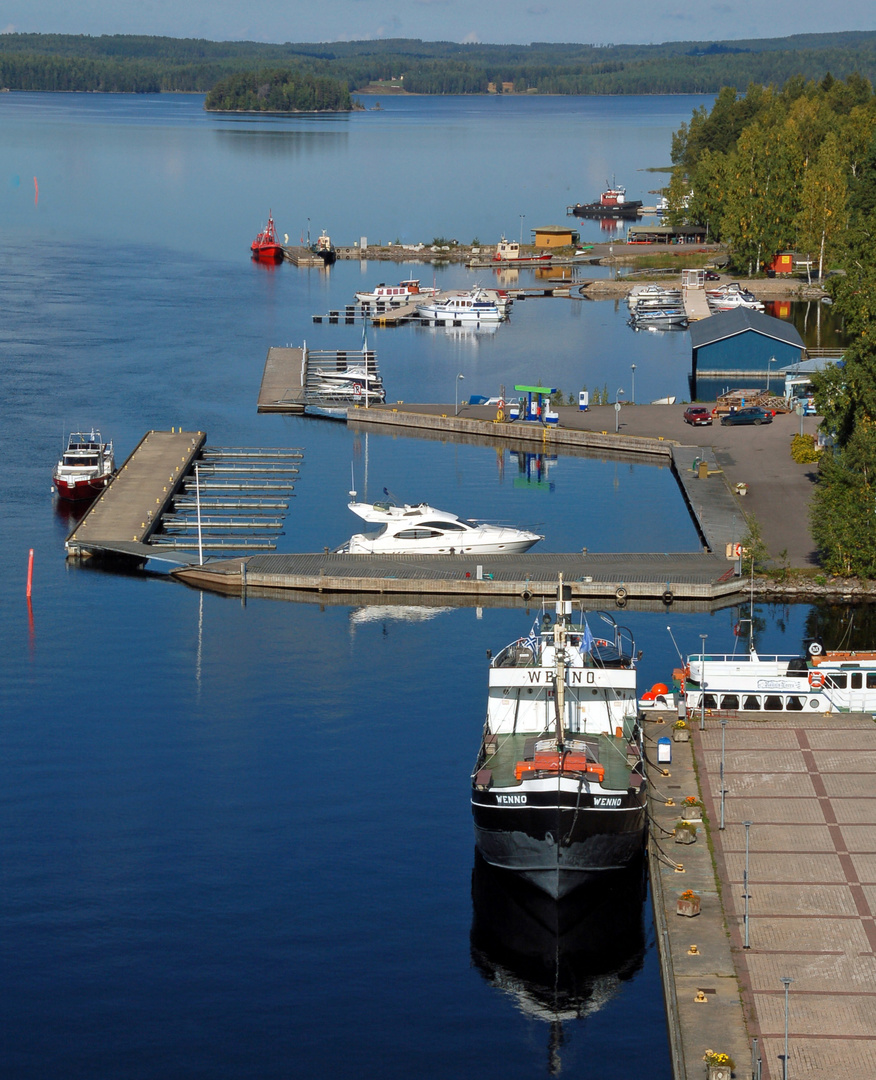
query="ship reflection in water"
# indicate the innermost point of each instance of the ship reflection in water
(558, 961)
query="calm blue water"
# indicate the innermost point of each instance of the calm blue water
(235, 840)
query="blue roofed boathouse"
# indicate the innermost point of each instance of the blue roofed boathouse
(742, 342)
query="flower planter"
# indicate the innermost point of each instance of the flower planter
(685, 836)
(718, 1072)
(688, 908)
(691, 813)
(681, 735)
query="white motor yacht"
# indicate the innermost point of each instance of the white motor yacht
(423, 530)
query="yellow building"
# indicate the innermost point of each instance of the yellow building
(553, 236)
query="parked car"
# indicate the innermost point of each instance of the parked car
(751, 414)
(710, 275)
(697, 414)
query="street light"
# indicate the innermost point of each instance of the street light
(456, 402)
(633, 392)
(522, 216)
(617, 409)
(771, 361)
(786, 982)
(747, 825)
(703, 682)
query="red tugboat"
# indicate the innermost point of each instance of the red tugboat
(266, 247)
(86, 467)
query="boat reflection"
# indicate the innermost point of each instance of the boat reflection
(558, 961)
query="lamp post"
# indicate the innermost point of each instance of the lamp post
(771, 361)
(522, 216)
(456, 400)
(617, 409)
(633, 390)
(703, 682)
(745, 943)
(723, 732)
(786, 982)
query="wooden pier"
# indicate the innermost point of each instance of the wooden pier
(130, 509)
(282, 389)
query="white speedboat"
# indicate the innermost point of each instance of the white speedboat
(751, 682)
(423, 530)
(471, 307)
(558, 788)
(353, 383)
(670, 316)
(86, 466)
(639, 293)
(732, 300)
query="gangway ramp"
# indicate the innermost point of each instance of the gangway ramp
(130, 509)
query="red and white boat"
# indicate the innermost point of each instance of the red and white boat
(396, 295)
(86, 466)
(266, 247)
(509, 251)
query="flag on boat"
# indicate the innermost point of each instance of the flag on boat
(587, 639)
(532, 640)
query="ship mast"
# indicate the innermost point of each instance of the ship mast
(564, 610)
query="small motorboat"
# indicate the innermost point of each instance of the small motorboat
(472, 307)
(423, 530)
(86, 466)
(266, 247)
(393, 295)
(509, 251)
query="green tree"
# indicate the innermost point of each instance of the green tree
(824, 216)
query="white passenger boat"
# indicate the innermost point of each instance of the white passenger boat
(423, 530)
(817, 682)
(558, 788)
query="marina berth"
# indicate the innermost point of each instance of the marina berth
(558, 788)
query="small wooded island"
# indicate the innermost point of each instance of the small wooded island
(278, 91)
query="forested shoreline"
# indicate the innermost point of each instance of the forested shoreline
(795, 169)
(140, 64)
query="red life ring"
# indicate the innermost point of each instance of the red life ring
(816, 680)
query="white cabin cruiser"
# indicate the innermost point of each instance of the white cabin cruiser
(472, 307)
(406, 292)
(423, 530)
(86, 467)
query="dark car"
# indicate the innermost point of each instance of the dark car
(710, 275)
(749, 415)
(697, 414)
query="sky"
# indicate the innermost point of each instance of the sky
(495, 21)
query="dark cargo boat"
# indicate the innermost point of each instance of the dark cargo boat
(558, 791)
(612, 204)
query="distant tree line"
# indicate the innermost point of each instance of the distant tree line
(140, 64)
(278, 90)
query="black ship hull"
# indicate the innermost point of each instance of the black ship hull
(559, 845)
(597, 210)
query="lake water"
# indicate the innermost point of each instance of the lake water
(235, 840)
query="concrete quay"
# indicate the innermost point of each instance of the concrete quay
(758, 457)
(809, 791)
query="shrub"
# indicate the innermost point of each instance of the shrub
(803, 449)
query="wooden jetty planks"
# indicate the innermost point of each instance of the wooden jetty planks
(281, 389)
(131, 507)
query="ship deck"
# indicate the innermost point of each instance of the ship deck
(609, 751)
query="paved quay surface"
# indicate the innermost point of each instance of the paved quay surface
(757, 456)
(717, 1022)
(809, 789)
